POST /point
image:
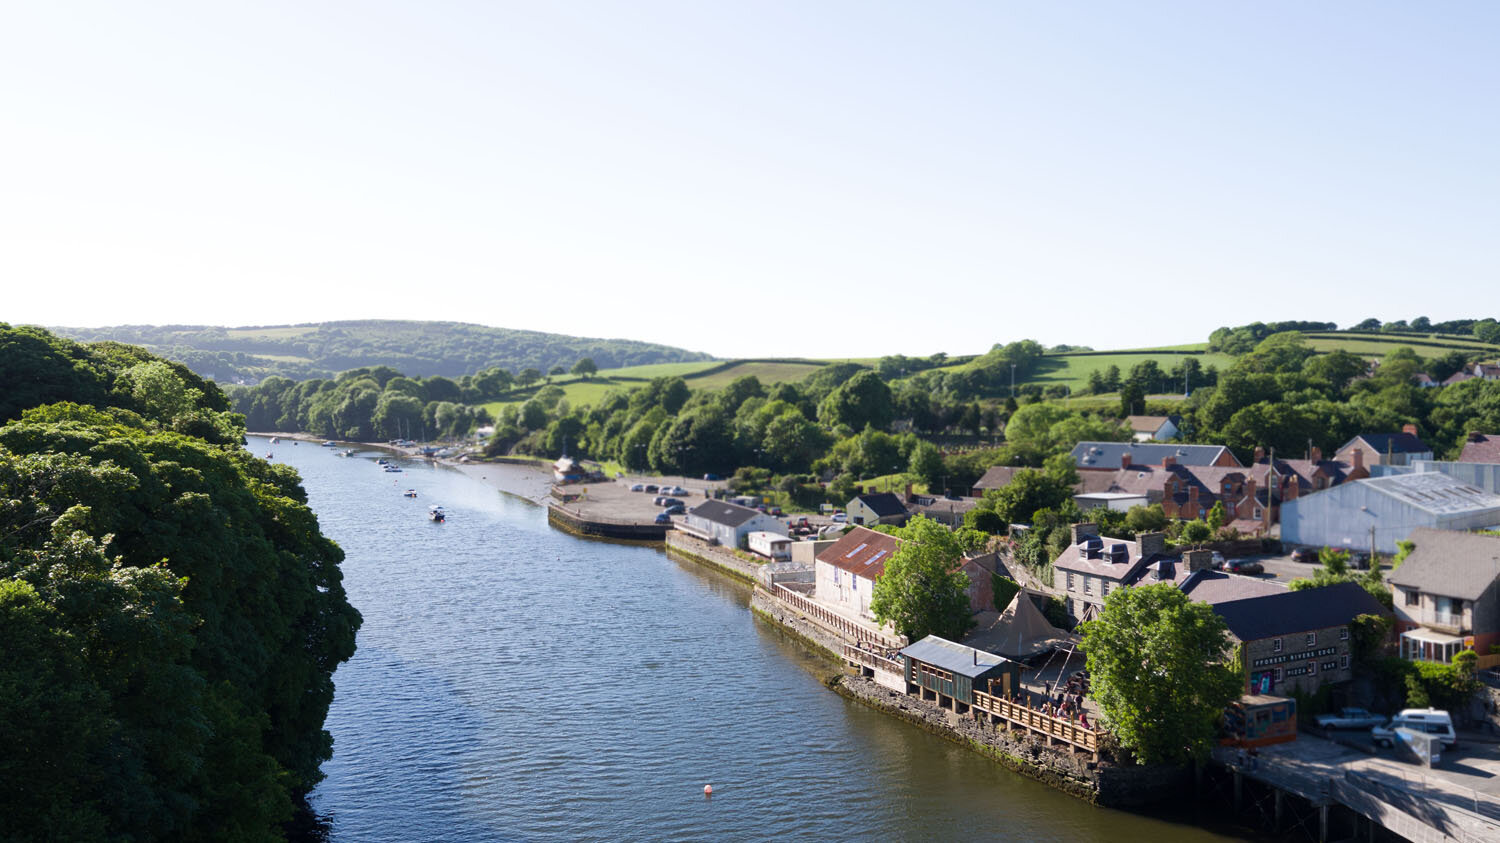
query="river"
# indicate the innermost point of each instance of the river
(517, 683)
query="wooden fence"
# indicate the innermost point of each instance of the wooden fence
(833, 621)
(875, 660)
(1055, 728)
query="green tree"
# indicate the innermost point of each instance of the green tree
(863, 401)
(585, 368)
(922, 592)
(1146, 519)
(529, 376)
(1157, 664)
(1217, 517)
(927, 463)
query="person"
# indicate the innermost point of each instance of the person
(1083, 719)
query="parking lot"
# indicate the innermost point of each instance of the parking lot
(613, 499)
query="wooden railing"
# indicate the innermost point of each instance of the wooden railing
(831, 620)
(874, 660)
(1057, 728)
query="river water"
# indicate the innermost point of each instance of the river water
(513, 682)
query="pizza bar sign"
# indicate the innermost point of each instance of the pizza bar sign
(1296, 657)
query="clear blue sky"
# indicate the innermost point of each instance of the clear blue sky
(798, 178)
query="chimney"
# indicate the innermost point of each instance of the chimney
(1192, 500)
(1125, 460)
(1476, 436)
(1359, 458)
(1294, 486)
(1260, 453)
(1168, 462)
(908, 491)
(1198, 560)
(1409, 428)
(1082, 529)
(1152, 543)
(1250, 490)
(1317, 454)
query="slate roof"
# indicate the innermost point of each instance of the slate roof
(1294, 612)
(1458, 377)
(723, 512)
(1481, 447)
(1450, 563)
(997, 477)
(862, 552)
(1208, 586)
(1107, 455)
(955, 658)
(883, 504)
(1124, 572)
(1396, 443)
(1149, 424)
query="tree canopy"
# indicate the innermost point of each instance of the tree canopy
(922, 592)
(1157, 667)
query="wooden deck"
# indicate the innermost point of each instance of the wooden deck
(865, 657)
(1014, 714)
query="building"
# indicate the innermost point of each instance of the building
(1118, 501)
(1094, 566)
(1297, 641)
(949, 673)
(1153, 428)
(844, 574)
(949, 511)
(1447, 595)
(1386, 448)
(1425, 380)
(997, 477)
(1205, 585)
(1481, 447)
(1112, 456)
(878, 508)
(568, 470)
(1375, 513)
(727, 524)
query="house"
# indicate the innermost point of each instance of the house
(1481, 447)
(1458, 377)
(1205, 585)
(1118, 501)
(1094, 566)
(944, 510)
(949, 673)
(996, 477)
(1154, 428)
(1386, 448)
(1112, 456)
(1447, 595)
(844, 574)
(1376, 512)
(1425, 380)
(1296, 641)
(727, 524)
(878, 508)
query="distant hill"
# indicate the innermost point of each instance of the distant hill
(322, 349)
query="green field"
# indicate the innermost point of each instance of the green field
(1073, 371)
(1423, 344)
(281, 332)
(577, 391)
(658, 370)
(768, 373)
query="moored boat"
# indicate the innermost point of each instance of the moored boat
(437, 514)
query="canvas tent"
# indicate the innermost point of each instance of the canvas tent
(1019, 632)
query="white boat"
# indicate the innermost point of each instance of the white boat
(275, 439)
(437, 514)
(329, 443)
(391, 469)
(410, 493)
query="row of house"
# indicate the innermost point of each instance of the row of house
(1481, 371)
(1289, 640)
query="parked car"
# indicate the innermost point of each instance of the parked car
(710, 477)
(1429, 720)
(1351, 718)
(639, 487)
(776, 512)
(1304, 554)
(672, 502)
(1359, 561)
(663, 518)
(839, 517)
(674, 509)
(651, 487)
(1217, 561)
(1244, 566)
(675, 490)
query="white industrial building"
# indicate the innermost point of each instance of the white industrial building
(727, 523)
(1378, 512)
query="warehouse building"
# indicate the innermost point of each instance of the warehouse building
(1377, 512)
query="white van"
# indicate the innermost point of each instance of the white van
(1428, 720)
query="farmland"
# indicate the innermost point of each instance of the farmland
(1427, 345)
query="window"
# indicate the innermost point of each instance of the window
(1257, 512)
(1312, 668)
(1278, 674)
(1344, 633)
(1312, 639)
(1413, 597)
(1070, 580)
(1103, 588)
(1088, 584)
(1343, 662)
(1276, 646)
(836, 577)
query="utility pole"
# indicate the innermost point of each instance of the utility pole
(1013, 380)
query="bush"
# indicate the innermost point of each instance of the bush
(1466, 660)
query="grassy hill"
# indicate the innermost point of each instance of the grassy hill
(1373, 344)
(414, 348)
(698, 375)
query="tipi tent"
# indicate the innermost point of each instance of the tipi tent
(1022, 631)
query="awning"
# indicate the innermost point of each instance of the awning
(1432, 636)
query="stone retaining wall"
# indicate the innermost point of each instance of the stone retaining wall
(713, 556)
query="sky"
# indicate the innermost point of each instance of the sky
(825, 179)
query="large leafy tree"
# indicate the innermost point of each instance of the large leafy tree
(922, 592)
(1157, 663)
(863, 401)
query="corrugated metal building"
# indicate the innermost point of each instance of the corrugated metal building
(1382, 511)
(949, 673)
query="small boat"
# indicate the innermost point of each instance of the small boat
(410, 493)
(329, 443)
(270, 455)
(382, 461)
(275, 439)
(391, 469)
(436, 513)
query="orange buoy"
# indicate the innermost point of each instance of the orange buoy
(708, 790)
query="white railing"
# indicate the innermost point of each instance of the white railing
(1454, 619)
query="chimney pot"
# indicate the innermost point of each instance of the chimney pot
(1317, 454)
(1476, 436)
(1125, 460)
